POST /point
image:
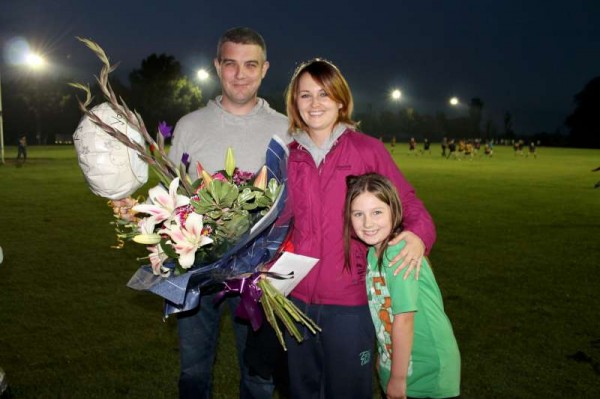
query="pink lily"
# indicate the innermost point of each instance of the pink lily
(186, 239)
(157, 258)
(163, 203)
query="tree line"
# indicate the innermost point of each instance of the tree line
(45, 109)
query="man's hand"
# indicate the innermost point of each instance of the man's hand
(411, 255)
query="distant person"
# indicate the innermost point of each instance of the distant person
(518, 147)
(532, 150)
(426, 146)
(488, 149)
(469, 150)
(452, 149)
(418, 353)
(412, 146)
(444, 146)
(22, 148)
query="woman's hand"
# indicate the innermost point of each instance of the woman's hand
(411, 255)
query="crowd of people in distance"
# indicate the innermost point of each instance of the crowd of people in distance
(468, 148)
(518, 148)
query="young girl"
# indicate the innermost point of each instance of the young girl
(418, 354)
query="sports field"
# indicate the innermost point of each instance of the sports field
(517, 259)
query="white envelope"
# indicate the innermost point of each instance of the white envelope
(288, 263)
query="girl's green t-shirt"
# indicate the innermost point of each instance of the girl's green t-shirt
(434, 368)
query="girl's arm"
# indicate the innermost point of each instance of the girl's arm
(402, 339)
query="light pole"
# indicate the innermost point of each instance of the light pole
(205, 84)
(34, 61)
(1, 125)
(454, 101)
(396, 125)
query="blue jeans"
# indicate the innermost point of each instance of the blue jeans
(198, 333)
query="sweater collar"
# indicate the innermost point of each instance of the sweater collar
(260, 103)
(319, 153)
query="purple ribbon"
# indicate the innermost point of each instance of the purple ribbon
(250, 293)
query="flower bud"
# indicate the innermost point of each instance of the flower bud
(261, 179)
(199, 169)
(229, 162)
(206, 177)
(147, 239)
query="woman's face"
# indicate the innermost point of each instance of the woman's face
(371, 219)
(319, 111)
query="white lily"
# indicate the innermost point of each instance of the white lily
(163, 203)
(157, 258)
(187, 239)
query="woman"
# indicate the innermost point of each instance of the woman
(336, 363)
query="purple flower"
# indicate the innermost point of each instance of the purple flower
(185, 159)
(241, 177)
(165, 129)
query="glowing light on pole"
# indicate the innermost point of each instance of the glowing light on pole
(454, 101)
(35, 61)
(202, 74)
(396, 94)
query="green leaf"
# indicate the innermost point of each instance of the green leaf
(205, 202)
(223, 193)
(273, 189)
(237, 226)
(168, 249)
(215, 214)
(246, 195)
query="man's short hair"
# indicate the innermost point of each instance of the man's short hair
(242, 35)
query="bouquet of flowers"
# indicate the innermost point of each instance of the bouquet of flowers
(216, 231)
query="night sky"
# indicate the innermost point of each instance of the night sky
(526, 57)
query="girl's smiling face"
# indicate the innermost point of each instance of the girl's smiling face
(371, 219)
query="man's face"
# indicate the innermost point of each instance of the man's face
(241, 69)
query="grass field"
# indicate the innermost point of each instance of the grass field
(517, 260)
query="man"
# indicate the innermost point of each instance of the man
(241, 120)
(22, 148)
